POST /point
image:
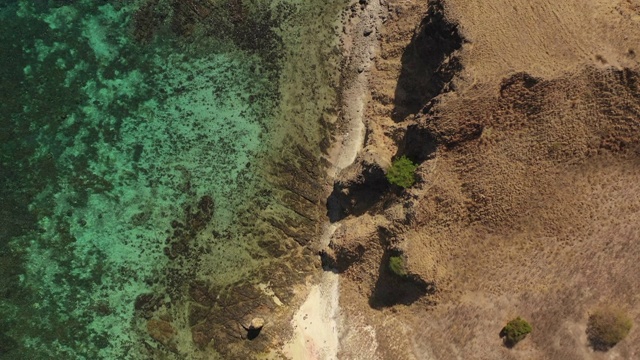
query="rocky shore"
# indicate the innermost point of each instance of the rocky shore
(525, 161)
(316, 324)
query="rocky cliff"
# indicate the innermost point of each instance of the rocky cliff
(524, 120)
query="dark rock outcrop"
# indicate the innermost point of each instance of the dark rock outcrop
(339, 258)
(428, 63)
(358, 188)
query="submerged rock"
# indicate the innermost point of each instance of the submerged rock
(161, 331)
(7, 344)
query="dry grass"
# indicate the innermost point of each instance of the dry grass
(545, 38)
(540, 216)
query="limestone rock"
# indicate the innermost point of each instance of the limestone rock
(254, 328)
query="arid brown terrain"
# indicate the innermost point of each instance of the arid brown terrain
(524, 117)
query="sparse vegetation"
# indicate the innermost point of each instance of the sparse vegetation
(396, 265)
(515, 330)
(402, 172)
(607, 327)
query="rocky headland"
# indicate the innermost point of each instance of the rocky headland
(524, 121)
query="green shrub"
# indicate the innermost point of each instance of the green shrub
(396, 265)
(607, 327)
(515, 330)
(402, 172)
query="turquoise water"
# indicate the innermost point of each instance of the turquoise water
(131, 139)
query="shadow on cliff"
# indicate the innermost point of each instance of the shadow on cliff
(392, 289)
(357, 194)
(427, 65)
(364, 185)
(418, 144)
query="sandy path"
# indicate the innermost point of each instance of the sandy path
(316, 323)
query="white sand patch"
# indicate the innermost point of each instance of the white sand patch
(315, 323)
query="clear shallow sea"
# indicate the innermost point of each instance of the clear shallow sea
(109, 145)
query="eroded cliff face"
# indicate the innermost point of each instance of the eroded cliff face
(526, 201)
(416, 64)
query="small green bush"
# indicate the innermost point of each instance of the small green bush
(515, 330)
(607, 327)
(396, 265)
(402, 172)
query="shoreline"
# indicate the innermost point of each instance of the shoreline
(316, 323)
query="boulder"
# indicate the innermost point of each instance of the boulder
(254, 328)
(256, 323)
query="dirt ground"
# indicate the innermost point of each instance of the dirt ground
(525, 119)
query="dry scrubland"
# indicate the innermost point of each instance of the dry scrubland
(528, 199)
